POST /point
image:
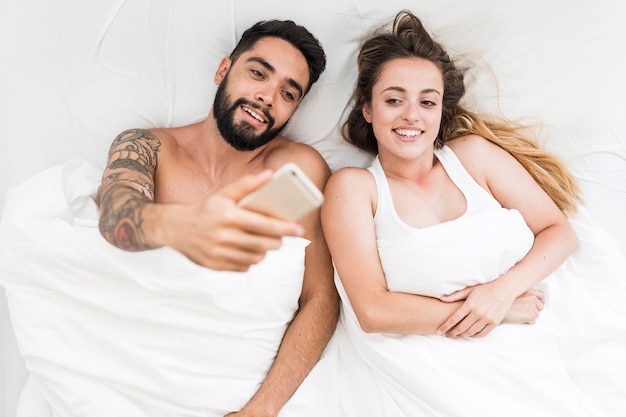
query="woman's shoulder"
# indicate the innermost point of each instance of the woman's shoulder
(479, 157)
(475, 151)
(351, 173)
(469, 144)
(353, 179)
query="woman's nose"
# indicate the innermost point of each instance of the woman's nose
(411, 113)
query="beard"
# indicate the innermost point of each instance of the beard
(240, 136)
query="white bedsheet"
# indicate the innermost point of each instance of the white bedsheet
(112, 333)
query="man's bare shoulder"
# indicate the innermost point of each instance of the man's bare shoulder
(281, 147)
(167, 136)
(308, 158)
(137, 138)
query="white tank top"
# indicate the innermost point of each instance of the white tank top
(389, 225)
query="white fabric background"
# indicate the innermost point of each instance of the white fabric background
(73, 74)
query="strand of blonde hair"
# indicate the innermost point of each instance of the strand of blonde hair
(546, 169)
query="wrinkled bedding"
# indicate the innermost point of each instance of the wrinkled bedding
(141, 334)
(92, 322)
(569, 363)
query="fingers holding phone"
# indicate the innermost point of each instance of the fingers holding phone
(220, 234)
(273, 204)
(288, 195)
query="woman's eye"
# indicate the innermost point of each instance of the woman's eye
(429, 103)
(392, 101)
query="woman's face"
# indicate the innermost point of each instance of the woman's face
(406, 106)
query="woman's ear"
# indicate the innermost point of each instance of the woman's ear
(367, 112)
(222, 70)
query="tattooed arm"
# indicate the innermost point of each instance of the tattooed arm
(127, 187)
(214, 232)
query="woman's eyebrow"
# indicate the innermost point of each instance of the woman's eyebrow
(402, 90)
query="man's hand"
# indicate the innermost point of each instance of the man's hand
(218, 234)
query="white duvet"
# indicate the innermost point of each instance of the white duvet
(570, 363)
(112, 333)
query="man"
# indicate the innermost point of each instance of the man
(179, 187)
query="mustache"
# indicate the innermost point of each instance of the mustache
(256, 106)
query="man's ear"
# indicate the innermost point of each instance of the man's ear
(222, 70)
(366, 111)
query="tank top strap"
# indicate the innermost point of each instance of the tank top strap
(478, 199)
(388, 223)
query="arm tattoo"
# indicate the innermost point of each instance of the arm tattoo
(127, 187)
(135, 150)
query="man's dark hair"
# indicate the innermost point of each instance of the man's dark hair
(289, 31)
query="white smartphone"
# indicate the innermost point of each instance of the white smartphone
(289, 195)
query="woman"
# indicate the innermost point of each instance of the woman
(439, 245)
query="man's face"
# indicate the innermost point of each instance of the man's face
(242, 135)
(259, 92)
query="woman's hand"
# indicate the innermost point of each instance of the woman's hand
(526, 308)
(486, 306)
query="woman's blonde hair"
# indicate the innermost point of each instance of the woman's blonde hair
(545, 168)
(409, 39)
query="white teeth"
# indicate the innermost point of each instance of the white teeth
(254, 114)
(407, 132)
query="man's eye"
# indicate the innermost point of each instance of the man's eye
(289, 96)
(257, 73)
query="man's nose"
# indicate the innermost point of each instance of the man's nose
(265, 95)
